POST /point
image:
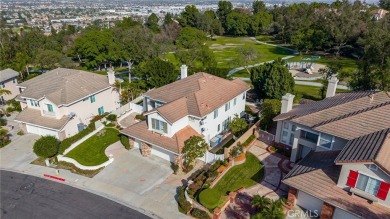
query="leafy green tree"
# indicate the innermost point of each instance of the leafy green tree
(46, 146)
(152, 22)
(272, 80)
(47, 59)
(274, 211)
(260, 202)
(4, 91)
(189, 16)
(237, 125)
(127, 23)
(168, 19)
(385, 4)
(258, 6)
(270, 109)
(190, 38)
(194, 147)
(224, 8)
(237, 23)
(159, 72)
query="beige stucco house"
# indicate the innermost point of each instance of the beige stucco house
(62, 102)
(9, 81)
(200, 104)
(341, 147)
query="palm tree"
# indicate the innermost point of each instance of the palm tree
(273, 211)
(4, 91)
(260, 202)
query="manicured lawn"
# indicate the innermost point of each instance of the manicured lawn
(91, 151)
(225, 50)
(243, 175)
(311, 92)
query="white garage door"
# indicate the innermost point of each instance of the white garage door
(163, 154)
(41, 131)
(341, 214)
(309, 202)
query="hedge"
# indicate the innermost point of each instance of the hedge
(46, 146)
(210, 198)
(184, 205)
(125, 142)
(200, 214)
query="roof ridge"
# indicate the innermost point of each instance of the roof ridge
(352, 114)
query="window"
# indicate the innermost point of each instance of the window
(159, 126)
(14, 80)
(243, 96)
(158, 104)
(372, 167)
(288, 132)
(309, 136)
(219, 127)
(325, 141)
(215, 113)
(227, 106)
(2, 84)
(225, 124)
(235, 101)
(50, 108)
(368, 184)
(92, 98)
(284, 136)
(101, 110)
(291, 142)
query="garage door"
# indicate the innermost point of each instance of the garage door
(163, 154)
(41, 131)
(309, 202)
(338, 213)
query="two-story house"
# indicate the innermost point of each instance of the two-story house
(61, 102)
(201, 104)
(342, 146)
(9, 81)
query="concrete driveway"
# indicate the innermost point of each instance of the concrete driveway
(19, 152)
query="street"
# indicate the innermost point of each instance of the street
(24, 196)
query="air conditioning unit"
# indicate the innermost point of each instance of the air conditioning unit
(201, 122)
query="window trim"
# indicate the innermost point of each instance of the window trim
(305, 130)
(235, 101)
(49, 106)
(227, 106)
(102, 108)
(369, 176)
(92, 98)
(215, 113)
(154, 128)
(331, 142)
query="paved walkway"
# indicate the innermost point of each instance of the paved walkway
(128, 120)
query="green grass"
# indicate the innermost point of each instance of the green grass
(243, 175)
(91, 151)
(311, 92)
(225, 50)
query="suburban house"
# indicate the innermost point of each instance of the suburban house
(9, 81)
(201, 104)
(61, 102)
(342, 148)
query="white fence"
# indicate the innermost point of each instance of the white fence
(136, 108)
(210, 157)
(127, 108)
(72, 161)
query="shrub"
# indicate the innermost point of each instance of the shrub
(4, 142)
(98, 117)
(67, 142)
(111, 117)
(10, 109)
(125, 142)
(140, 117)
(210, 198)
(236, 151)
(20, 133)
(15, 104)
(46, 146)
(109, 124)
(200, 214)
(184, 205)
(175, 168)
(3, 122)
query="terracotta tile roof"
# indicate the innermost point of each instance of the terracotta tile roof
(201, 92)
(174, 144)
(317, 176)
(64, 86)
(8, 74)
(346, 115)
(33, 116)
(374, 147)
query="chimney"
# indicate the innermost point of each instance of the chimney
(183, 71)
(287, 103)
(332, 86)
(111, 76)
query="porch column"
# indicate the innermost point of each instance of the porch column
(294, 149)
(146, 150)
(327, 211)
(292, 197)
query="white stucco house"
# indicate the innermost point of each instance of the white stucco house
(61, 102)
(9, 81)
(341, 147)
(201, 104)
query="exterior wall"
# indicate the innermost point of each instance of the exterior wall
(11, 86)
(363, 168)
(194, 123)
(178, 125)
(57, 114)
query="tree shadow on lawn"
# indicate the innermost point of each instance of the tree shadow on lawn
(280, 51)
